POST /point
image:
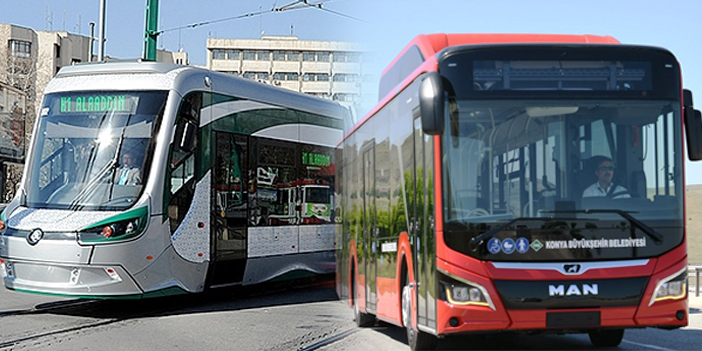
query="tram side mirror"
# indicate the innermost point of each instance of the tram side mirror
(693, 128)
(431, 104)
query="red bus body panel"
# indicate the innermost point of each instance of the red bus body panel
(481, 319)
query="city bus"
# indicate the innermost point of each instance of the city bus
(462, 192)
(149, 179)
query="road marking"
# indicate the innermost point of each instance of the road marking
(648, 346)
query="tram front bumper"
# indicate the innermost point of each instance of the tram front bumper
(85, 281)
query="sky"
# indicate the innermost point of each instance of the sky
(384, 26)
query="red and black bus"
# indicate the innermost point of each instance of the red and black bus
(467, 193)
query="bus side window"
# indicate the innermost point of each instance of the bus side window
(182, 160)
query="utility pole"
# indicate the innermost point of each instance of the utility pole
(101, 32)
(151, 33)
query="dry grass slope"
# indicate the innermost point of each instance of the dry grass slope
(693, 196)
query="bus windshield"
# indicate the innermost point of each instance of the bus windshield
(578, 179)
(92, 149)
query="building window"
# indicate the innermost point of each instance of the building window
(262, 75)
(249, 55)
(322, 77)
(339, 57)
(323, 56)
(278, 55)
(263, 55)
(289, 76)
(233, 54)
(57, 50)
(309, 56)
(249, 75)
(218, 54)
(345, 97)
(347, 57)
(20, 48)
(292, 55)
(349, 78)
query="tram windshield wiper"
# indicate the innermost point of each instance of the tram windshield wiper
(650, 232)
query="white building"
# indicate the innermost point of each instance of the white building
(327, 69)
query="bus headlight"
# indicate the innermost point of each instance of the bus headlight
(461, 292)
(120, 227)
(673, 287)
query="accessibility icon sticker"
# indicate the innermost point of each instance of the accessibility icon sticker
(494, 246)
(522, 245)
(508, 246)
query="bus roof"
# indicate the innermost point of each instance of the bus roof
(431, 44)
(425, 46)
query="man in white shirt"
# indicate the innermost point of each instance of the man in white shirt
(129, 173)
(604, 186)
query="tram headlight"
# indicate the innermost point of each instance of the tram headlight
(120, 227)
(464, 293)
(672, 287)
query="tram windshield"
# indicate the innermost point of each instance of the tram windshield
(91, 149)
(564, 172)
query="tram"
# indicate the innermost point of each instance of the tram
(149, 179)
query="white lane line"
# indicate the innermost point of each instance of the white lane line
(648, 346)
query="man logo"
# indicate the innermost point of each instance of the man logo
(572, 268)
(34, 237)
(573, 289)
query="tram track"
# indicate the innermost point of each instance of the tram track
(46, 325)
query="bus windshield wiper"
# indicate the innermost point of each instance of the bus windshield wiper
(650, 232)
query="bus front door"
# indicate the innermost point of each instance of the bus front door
(423, 228)
(370, 229)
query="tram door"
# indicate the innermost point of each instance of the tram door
(370, 228)
(229, 210)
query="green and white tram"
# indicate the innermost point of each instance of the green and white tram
(146, 179)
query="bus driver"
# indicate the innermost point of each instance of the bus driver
(604, 185)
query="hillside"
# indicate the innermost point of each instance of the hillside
(694, 222)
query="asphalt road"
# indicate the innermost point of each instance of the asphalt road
(303, 317)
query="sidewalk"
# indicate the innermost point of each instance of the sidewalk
(695, 301)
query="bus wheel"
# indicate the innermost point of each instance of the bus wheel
(416, 339)
(606, 338)
(362, 319)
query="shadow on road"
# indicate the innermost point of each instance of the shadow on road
(224, 299)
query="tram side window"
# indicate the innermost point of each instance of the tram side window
(182, 159)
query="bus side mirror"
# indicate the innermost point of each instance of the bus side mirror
(693, 128)
(431, 104)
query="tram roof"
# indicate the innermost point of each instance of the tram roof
(146, 75)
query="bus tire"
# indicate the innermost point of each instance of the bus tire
(416, 339)
(606, 338)
(362, 319)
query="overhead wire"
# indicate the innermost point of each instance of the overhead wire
(295, 5)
